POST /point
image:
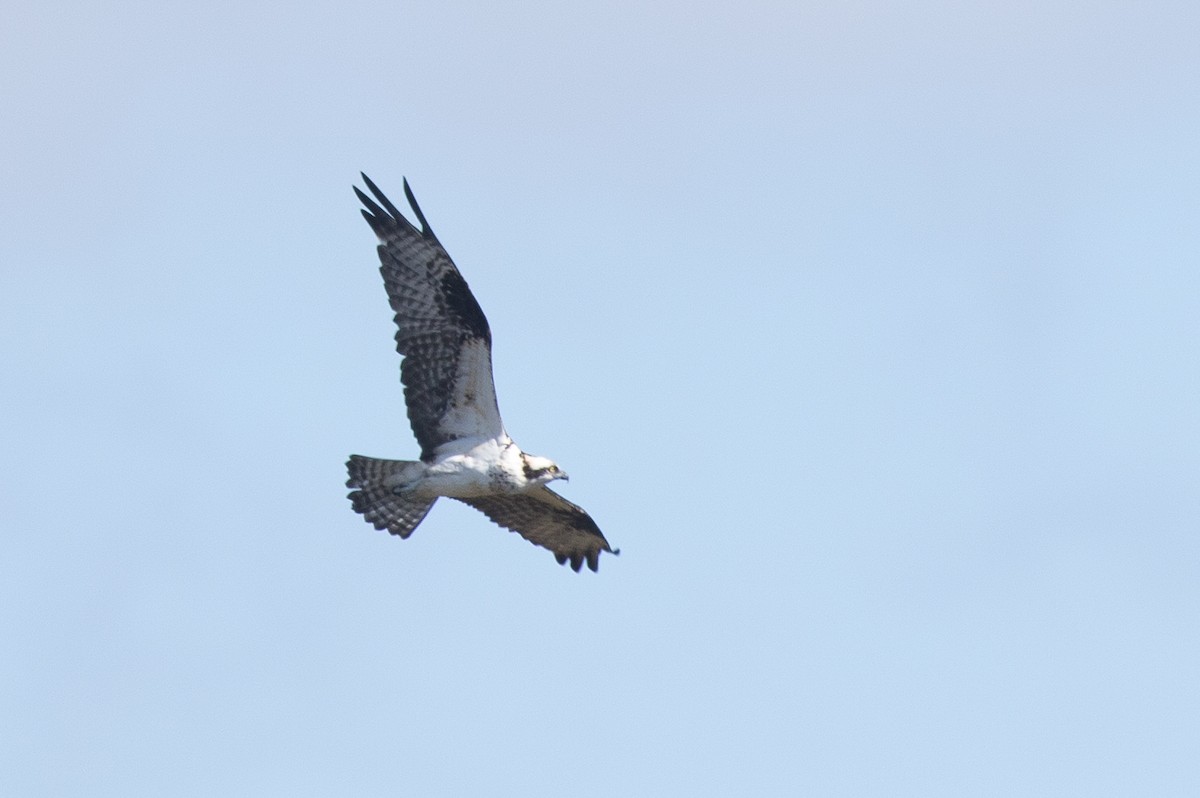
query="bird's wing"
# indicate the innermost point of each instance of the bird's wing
(548, 520)
(442, 332)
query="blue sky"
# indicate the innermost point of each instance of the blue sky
(868, 332)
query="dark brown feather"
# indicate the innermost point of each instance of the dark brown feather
(548, 520)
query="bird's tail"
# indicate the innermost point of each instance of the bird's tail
(375, 497)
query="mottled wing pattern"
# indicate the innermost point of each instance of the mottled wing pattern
(548, 520)
(441, 330)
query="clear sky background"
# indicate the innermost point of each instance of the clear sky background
(868, 331)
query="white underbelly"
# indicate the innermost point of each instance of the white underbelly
(481, 471)
(448, 479)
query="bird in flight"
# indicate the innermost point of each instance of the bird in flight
(446, 370)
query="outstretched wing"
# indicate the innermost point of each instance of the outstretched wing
(548, 520)
(442, 332)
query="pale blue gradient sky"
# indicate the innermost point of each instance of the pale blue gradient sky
(868, 331)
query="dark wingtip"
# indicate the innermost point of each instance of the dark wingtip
(365, 200)
(382, 218)
(426, 230)
(374, 189)
(371, 218)
(379, 195)
(375, 216)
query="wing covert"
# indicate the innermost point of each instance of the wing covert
(441, 330)
(548, 520)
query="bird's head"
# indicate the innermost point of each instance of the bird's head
(541, 469)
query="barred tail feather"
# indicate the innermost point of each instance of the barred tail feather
(381, 507)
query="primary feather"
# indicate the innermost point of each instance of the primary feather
(466, 454)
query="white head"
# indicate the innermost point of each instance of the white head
(541, 470)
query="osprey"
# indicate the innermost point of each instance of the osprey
(466, 454)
